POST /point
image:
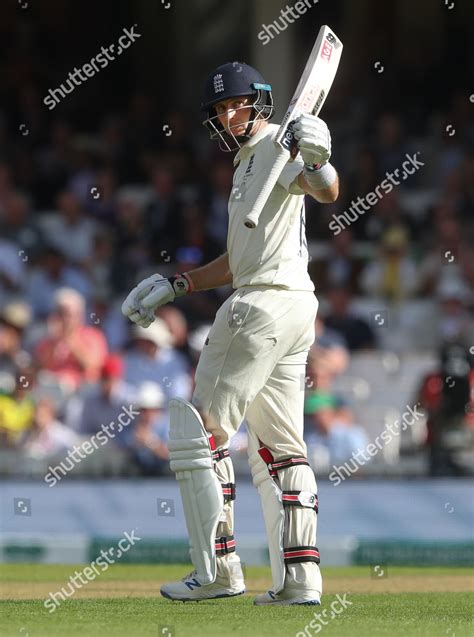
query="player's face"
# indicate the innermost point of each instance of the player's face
(234, 114)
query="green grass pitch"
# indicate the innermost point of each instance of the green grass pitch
(124, 601)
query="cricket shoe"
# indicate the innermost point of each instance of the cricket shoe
(228, 583)
(288, 598)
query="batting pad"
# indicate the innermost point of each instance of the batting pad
(287, 489)
(201, 492)
(273, 514)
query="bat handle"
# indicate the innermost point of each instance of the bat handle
(251, 220)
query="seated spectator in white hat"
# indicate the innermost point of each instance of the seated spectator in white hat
(146, 437)
(151, 357)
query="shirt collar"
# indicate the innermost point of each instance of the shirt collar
(267, 130)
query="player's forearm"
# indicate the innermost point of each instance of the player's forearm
(328, 194)
(212, 275)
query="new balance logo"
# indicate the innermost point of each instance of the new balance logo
(192, 583)
(218, 83)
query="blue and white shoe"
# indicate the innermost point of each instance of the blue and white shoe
(228, 583)
(288, 598)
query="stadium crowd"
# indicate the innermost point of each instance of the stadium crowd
(85, 214)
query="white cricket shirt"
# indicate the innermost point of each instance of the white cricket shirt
(275, 252)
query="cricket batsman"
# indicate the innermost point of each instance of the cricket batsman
(253, 363)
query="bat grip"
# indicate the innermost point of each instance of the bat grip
(251, 220)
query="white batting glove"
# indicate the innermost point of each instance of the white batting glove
(314, 139)
(149, 294)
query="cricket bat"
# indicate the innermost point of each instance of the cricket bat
(310, 95)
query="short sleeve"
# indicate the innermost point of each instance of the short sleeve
(288, 175)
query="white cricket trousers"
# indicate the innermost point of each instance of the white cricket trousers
(253, 367)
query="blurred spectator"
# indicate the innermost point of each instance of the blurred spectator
(196, 249)
(147, 436)
(162, 214)
(14, 319)
(141, 121)
(17, 409)
(447, 396)
(151, 358)
(16, 225)
(340, 267)
(72, 352)
(221, 187)
(101, 200)
(356, 331)
(132, 252)
(455, 322)
(12, 270)
(70, 230)
(99, 264)
(390, 143)
(450, 254)
(386, 214)
(106, 312)
(392, 276)
(51, 274)
(54, 163)
(330, 432)
(362, 177)
(177, 324)
(6, 182)
(102, 403)
(47, 436)
(327, 359)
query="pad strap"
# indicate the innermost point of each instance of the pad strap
(228, 489)
(217, 454)
(225, 545)
(220, 454)
(275, 467)
(304, 499)
(295, 554)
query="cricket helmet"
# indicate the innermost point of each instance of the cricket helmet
(235, 79)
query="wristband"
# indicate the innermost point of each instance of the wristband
(320, 177)
(190, 281)
(181, 284)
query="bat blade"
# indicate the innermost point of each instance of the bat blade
(309, 97)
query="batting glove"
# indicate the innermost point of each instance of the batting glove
(314, 140)
(149, 294)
